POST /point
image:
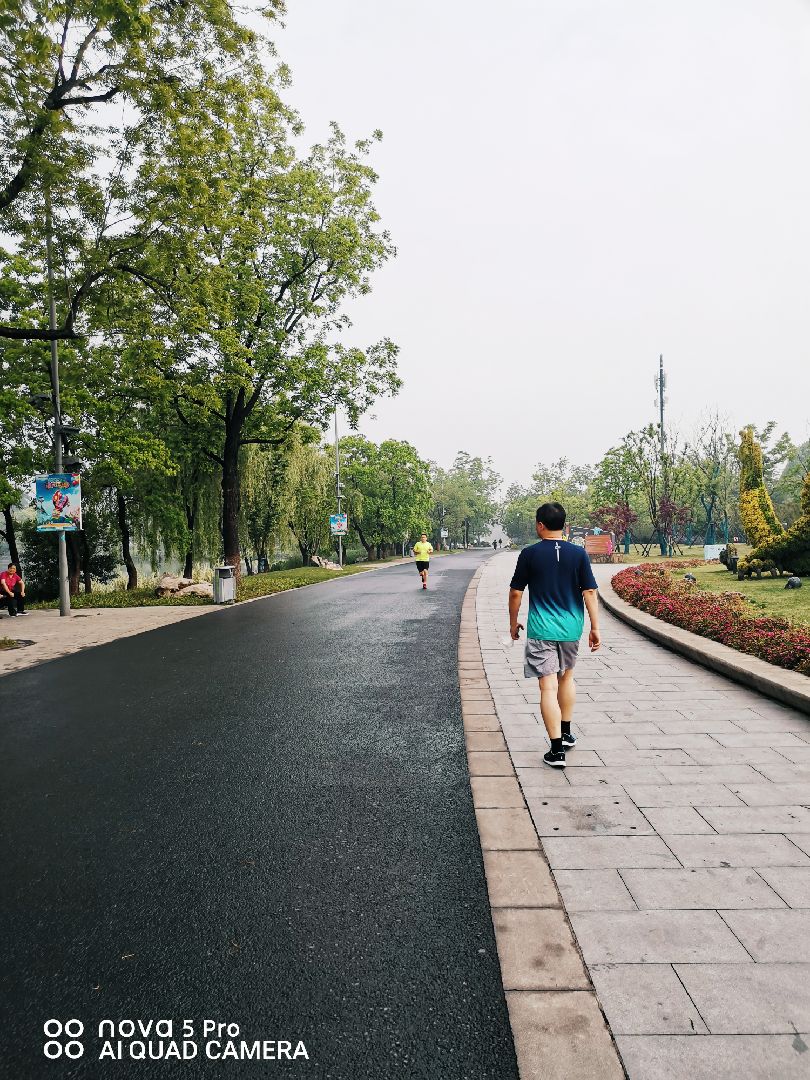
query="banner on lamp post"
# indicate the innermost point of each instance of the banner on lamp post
(58, 502)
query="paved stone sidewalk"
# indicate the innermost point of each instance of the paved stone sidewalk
(54, 636)
(679, 839)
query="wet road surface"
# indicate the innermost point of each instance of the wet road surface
(260, 817)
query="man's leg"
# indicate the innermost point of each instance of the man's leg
(19, 599)
(12, 604)
(566, 699)
(549, 706)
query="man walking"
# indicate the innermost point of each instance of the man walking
(561, 584)
(12, 590)
(423, 550)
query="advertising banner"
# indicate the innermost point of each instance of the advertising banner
(58, 501)
(338, 524)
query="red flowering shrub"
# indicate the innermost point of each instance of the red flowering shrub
(723, 617)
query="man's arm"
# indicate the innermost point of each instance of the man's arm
(591, 598)
(515, 597)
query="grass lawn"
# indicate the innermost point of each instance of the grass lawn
(7, 643)
(694, 552)
(768, 595)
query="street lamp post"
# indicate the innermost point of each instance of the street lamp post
(337, 490)
(64, 590)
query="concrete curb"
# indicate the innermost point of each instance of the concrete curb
(558, 1027)
(788, 687)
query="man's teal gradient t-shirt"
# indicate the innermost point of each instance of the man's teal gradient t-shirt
(557, 574)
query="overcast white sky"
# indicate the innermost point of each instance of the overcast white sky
(574, 186)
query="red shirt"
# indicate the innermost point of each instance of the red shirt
(9, 579)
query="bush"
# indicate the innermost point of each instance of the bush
(790, 552)
(721, 617)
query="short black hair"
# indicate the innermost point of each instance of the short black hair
(552, 515)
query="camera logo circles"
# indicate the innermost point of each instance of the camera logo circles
(63, 1039)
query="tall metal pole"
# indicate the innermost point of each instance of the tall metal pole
(64, 589)
(661, 385)
(337, 489)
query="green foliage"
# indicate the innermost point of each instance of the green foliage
(311, 479)
(756, 509)
(790, 552)
(387, 491)
(463, 500)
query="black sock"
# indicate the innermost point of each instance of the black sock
(557, 746)
(566, 727)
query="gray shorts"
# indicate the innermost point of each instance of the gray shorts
(549, 657)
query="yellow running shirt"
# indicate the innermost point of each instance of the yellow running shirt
(422, 551)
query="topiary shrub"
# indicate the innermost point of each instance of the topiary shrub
(790, 552)
(756, 509)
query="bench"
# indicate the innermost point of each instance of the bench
(600, 549)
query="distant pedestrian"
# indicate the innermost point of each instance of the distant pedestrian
(12, 591)
(494, 545)
(560, 582)
(422, 551)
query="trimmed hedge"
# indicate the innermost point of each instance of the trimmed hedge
(790, 553)
(721, 617)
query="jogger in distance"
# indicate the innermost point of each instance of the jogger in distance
(561, 585)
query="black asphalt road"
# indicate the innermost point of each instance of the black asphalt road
(262, 817)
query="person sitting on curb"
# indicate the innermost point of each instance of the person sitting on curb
(12, 591)
(561, 585)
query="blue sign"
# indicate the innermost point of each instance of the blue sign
(338, 524)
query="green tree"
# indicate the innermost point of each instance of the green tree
(311, 479)
(387, 491)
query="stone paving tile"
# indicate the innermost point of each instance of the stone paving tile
(507, 830)
(561, 1036)
(684, 795)
(677, 819)
(757, 819)
(657, 758)
(771, 794)
(660, 937)
(763, 999)
(683, 741)
(600, 852)
(711, 725)
(773, 936)
(643, 774)
(792, 883)
(645, 999)
(579, 817)
(742, 755)
(519, 879)
(576, 759)
(712, 774)
(713, 1057)
(485, 740)
(714, 887)
(799, 755)
(787, 773)
(543, 778)
(759, 738)
(489, 763)
(496, 792)
(759, 849)
(537, 951)
(594, 890)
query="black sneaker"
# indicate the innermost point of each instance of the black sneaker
(557, 761)
(569, 741)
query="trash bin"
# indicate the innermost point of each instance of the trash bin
(224, 585)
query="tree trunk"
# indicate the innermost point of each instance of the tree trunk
(191, 518)
(231, 497)
(74, 554)
(86, 575)
(11, 539)
(123, 525)
(371, 553)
